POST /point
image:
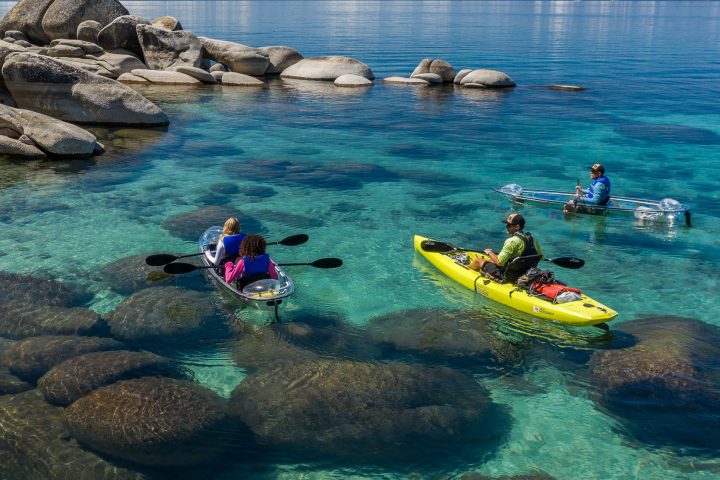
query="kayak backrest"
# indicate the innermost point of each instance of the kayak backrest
(518, 266)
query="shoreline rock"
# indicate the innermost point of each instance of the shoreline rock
(327, 68)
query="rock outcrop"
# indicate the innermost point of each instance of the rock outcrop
(327, 68)
(237, 57)
(164, 49)
(280, 58)
(488, 79)
(88, 31)
(26, 16)
(239, 79)
(168, 23)
(62, 91)
(437, 67)
(63, 17)
(122, 33)
(151, 421)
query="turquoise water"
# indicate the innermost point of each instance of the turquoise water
(649, 115)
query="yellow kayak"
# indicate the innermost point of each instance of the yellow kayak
(580, 313)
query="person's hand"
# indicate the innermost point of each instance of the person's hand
(489, 251)
(578, 188)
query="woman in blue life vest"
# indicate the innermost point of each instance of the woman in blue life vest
(597, 195)
(254, 264)
(228, 245)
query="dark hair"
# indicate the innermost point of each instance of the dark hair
(252, 246)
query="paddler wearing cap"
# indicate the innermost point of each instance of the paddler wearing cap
(597, 195)
(519, 244)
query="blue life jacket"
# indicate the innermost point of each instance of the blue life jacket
(605, 181)
(256, 265)
(232, 244)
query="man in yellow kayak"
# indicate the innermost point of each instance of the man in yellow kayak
(520, 244)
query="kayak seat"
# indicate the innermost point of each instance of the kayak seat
(245, 281)
(605, 202)
(518, 266)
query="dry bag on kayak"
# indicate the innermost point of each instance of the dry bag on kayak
(553, 290)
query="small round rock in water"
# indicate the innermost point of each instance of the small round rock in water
(350, 80)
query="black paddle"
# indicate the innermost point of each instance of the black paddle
(179, 268)
(165, 258)
(442, 247)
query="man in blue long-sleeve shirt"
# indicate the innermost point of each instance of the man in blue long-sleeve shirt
(597, 195)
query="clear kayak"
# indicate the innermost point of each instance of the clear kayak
(265, 294)
(582, 312)
(665, 210)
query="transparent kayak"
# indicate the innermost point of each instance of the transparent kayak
(263, 294)
(665, 210)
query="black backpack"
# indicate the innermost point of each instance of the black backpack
(535, 275)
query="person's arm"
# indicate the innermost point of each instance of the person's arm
(272, 270)
(510, 248)
(599, 192)
(493, 257)
(233, 271)
(219, 253)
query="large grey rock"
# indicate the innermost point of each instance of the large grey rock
(232, 78)
(122, 33)
(15, 148)
(16, 35)
(88, 31)
(166, 77)
(87, 47)
(164, 49)
(488, 78)
(437, 67)
(327, 68)
(350, 80)
(91, 65)
(35, 435)
(167, 23)
(121, 61)
(237, 57)
(62, 18)
(65, 51)
(30, 358)
(26, 16)
(45, 85)
(461, 74)
(151, 421)
(280, 57)
(75, 378)
(345, 406)
(429, 77)
(23, 321)
(202, 75)
(17, 289)
(52, 136)
(7, 48)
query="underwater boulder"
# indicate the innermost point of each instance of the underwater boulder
(162, 313)
(21, 321)
(18, 289)
(34, 434)
(30, 358)
(190, 225)
(338, 406)
(75, 378)
(152, 421)
(261, 347)
(666, 386)
(452, 336)
(131, 274)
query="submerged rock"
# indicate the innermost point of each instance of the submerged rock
(17, 289)
(190, 225)
(162, 313)
(237, 57)
(342, 406)
(62, 17)
(462, 337)
(665, 387)
(131, 274)
(61, 91)
(9, 383)
(75, 378)
(151, 421)
(20, 321)
(29, 359)
(327, 68)
(35, 435)
(164, 49)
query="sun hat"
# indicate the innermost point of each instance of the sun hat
(597, 168)
(514, 219)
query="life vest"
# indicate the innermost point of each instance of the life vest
(528, 244)
(232, 244)
(591, 191)
(259, 264)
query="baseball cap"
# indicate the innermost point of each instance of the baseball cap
(514, 219)
(598, 168)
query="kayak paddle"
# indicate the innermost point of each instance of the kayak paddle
(442, 247)
(180, 268)
(165, 258)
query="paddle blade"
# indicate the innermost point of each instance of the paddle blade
(326, 263)
(435, 246)
(160, 259)
(179, 268)
(568, 262)
(294, 240)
